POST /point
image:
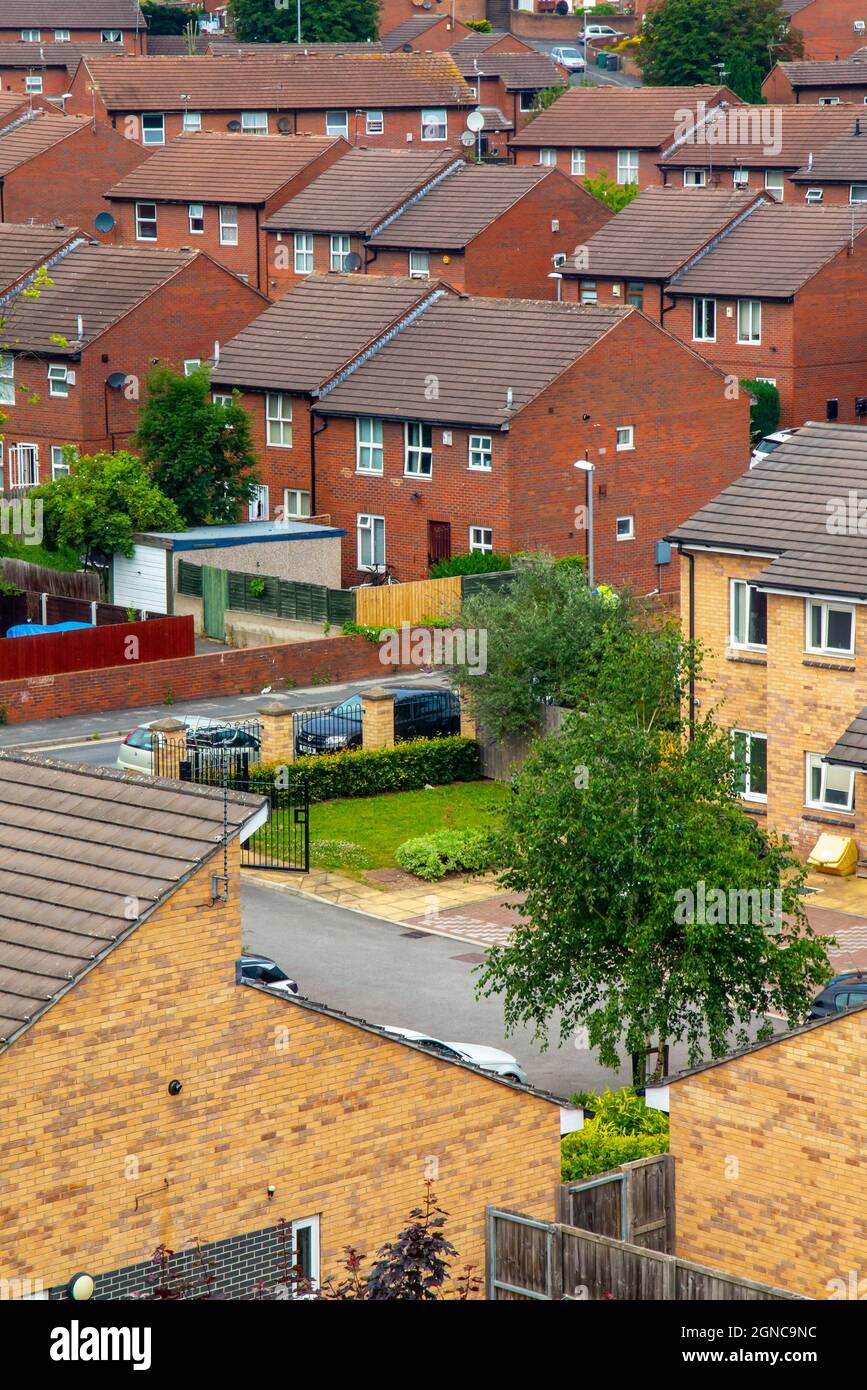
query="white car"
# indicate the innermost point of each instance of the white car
(488, 1058)
(568, 58)
(600, 31)
(766, 446)
(137, 750)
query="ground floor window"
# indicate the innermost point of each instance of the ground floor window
(305, 1250)
(829, 788)
(258, 508)
(750, 752)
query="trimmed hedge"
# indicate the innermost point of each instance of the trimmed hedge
(448, 851)
(367, 772)
(589, 1151)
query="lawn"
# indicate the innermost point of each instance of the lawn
(378, 824)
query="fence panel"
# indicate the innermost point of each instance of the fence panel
(88, 649)
(522, 1262)
(389, 605)
(474, 584)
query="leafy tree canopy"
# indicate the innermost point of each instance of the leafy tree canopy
(613, 195)
(165, 19)
(765, 409)
(685, 41)
(340, 21)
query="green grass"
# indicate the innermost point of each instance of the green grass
(378, 824)
(15, 549)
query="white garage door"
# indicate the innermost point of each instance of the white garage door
(140, 581)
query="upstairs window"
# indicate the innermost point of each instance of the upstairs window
(337, 123)
(192, 121)
(830, 628)
(748, 616)
(228, 224)
(704, 320)
(368, 443)
(373, 123)
(418, 450)
(153, 128)
(434, 124)
(196, 213)
(749, 320)
(254, 122)
(278, 420)
(627, 166)
(829, 788)
(579, 163)
(146, 221)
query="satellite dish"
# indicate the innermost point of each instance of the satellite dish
(407, 48)
(475, 122)
(353, 261)
(103, 222)
(284, 125)
(233, 125)
(116, 380)
(467, 138)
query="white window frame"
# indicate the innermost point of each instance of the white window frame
(695, 178)
(477, 541)
(111, 36)
(700, 317)
(627, 441)
(302, 253)
(31, 35)
(61, 36)
(222, 398)
(196, 216)
(749, 734)
(366, 526)
(7, 378)
(374, 123)
(337, 123)
(480, 453)
(419, 265)
(228, 224)
(435, 119)
(369, 448)
(259, 507)
(339, 247)
(295, 512)
(59, 466)
(750, 309)
(825, 608)
(311, 1224)
(159, 131)
(625, 161)
(857, 201)
(16, 478)
(742, 644)
(191, 364)
(627, 535)
(814, 196)
(773, 178)
(141, 220)
(814, 761)
(740, 178)
(588, 293)
(415, 455)
(578, 162)
(829, 101)
(277, 435)
(548, 157)
(254, 122)
(191, 121)
(58, 380)
(33, 84)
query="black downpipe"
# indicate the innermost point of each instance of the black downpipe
(313, 433)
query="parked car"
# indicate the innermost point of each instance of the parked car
(417, 714)
(264, 971)
(488, 1058)
(841, 992)
(137, 750)
(600, 31)
(568, 58)
(770, 442)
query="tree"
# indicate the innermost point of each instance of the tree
(684, 42)
(657, 911)
(199, 453)
(545, 97)
(764, 408)
(340, 21)
(613, 195)
(165, 18)
(100, 505)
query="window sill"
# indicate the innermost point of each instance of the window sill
(753, 808)
(841, 663)
(813, 814)
(369, 472)
(746, 657)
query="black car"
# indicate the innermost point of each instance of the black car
(841, 992)
(417, 714)
(261, 970)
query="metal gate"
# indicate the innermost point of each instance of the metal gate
(283, 842)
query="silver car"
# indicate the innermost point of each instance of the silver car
(488, 1058)
(137, 750)
(568, 58)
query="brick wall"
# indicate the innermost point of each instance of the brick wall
(394, 12)
(133, 42)
(827, 28)
(66, 182)
(768, 1153)
(238, 672)
(55, 80)
(101, 1164)
(613, 291)
(599, 161)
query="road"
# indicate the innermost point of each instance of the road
(386, 973)
(596, 76)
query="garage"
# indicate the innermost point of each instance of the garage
(140, 580)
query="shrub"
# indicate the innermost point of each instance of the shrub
(447, 851)
(622, 1112)
(369, 771)
(475, 562)
(373, 634)
(621, 1129)
(764, 410)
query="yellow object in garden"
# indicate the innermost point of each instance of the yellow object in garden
(834, 854)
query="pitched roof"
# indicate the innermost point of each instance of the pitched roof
(773, 252)
(841, 160)
(479, 350)
(781, 509)
(71, 14)
(413, 28)
(99, 283)
(52, 55)
(778, 137)
(162, 45)
(24, 248)
(227, 44)
(462, 205)
(517, 71)
(478, 43)
(295, 81)
(78, 845)
(846, 72)
(659, 231)
(32, 137)
(616, 117)
(360, 190)
(304, 339)
(791, 7)
(221, 168)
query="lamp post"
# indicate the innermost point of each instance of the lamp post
(555, 275)
(587, 467)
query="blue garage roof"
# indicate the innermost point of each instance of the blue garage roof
(244, 533)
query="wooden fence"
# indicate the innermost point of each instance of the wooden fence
(90, 649)
(389, 605)
(503, 754)
(633, 1203)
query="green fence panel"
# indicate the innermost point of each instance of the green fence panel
(189, 579)
(341, 605)
(473, 584)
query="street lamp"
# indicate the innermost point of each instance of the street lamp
(555, 275)
(589, 468)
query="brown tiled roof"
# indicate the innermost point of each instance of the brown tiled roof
(850, 750)
(842, 160)
(360, 191)
(14, 104)
(221, 168)
(315, 330)
(795, 132)
(772, 252)
(24, 248)
(170, 45)
(780, 509)
(478, 43)
(847, 72)
(659, 231)
(78, 846)
(70, 14)
(517, 71)
(227, 45)
(478, 350)
(616, 117)
(791, 7)
(461, 206)
(52, 55)
(100, 283)
(291, 82)
(31, 138)
(494, 119)
(413, 28)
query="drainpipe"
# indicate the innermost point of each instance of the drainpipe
(691, 559)
(313, 433)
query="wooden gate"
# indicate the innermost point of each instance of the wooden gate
(522, 1258)
(633, 1203)
(215, 598)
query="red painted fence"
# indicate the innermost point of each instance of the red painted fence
(89, 649)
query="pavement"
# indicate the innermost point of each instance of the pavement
(598, 77)
(838, 907)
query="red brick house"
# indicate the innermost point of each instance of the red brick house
(214, 192)
(779, 298)
(828, 27)
(508, 82)
(282, 362)
(621, 131)
(479, 228)
(817, 83)
(752, 147)
(56, 167)
(394, 12)
(74, 21)
(45, 69)
(25, 249)
(83, 350)
(381, 100)
(424, 33)
(838, 173)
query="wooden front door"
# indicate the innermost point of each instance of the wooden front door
(439, 541)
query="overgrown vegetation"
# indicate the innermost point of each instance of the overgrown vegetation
(474, 562)
(447, 852)
(340, 21)
(613, 195)
(764, 408)
(618, 1128)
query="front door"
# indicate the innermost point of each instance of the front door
(439, 541)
